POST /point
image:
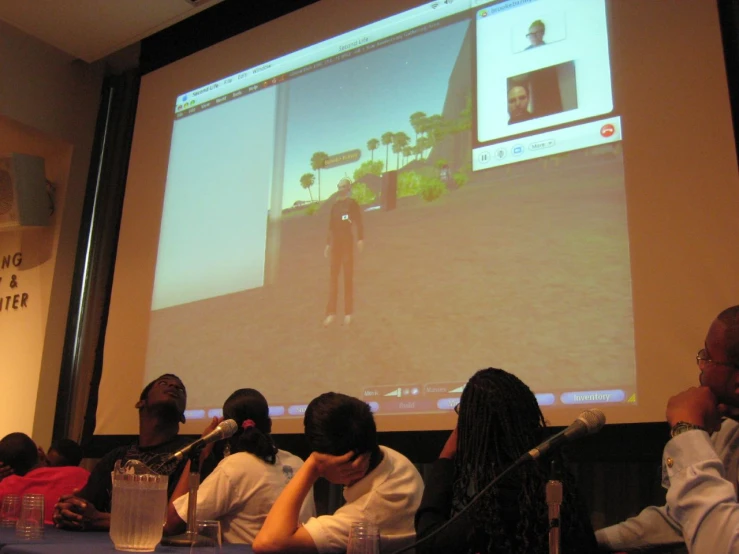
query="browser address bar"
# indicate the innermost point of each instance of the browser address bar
(371, 32)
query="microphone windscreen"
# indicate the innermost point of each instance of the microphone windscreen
(593, 419)
(228, 428)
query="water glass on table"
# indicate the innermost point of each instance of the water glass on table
(30, 523)
(9, 511)
(364, 538)
(208, 538)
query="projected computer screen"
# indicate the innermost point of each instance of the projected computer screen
(377, 213)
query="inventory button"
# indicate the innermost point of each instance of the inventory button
(592, 397)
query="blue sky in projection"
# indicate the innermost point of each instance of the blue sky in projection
(341, 107)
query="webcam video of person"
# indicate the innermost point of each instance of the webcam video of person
(540, 64)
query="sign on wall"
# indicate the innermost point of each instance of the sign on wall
(13, 298)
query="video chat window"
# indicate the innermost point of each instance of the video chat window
(540, 63)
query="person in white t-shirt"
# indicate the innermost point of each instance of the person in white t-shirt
(381, 486)
(242, 488)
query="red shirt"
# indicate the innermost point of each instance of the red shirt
(52, 482)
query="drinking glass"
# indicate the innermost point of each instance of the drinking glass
(30, 523)
(208, 540)
(364, 538)
(9, 510)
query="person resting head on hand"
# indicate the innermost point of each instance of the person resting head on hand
(380, 485)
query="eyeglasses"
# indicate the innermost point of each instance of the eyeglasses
(534, 34)
(703, 360)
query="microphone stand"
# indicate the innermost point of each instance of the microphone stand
(190, 536)
(554, 496)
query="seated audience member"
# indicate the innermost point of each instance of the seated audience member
(243, 487)
(161, 409)
(31, 475)
(380, 485)
(499, 421)
(701, 460)
(64, 452)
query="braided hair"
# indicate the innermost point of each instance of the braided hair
(249, 409)
(499, 420)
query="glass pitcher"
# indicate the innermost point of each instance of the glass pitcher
(138, 507)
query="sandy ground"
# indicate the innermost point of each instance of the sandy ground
(529, 275)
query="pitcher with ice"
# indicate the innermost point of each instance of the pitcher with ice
(138, 507)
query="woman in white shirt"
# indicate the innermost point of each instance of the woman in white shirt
(242, 488)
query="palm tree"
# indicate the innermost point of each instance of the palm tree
(306, 181)
(387, 140)
(400, 141)
(317, 162)
(433, 127)
(423, 144)
(407, 152)
(372, 145)
(417, 120)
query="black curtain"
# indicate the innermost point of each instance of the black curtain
(729, 19)
(98, 240)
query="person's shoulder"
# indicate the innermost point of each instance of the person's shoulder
(285, 457)
(73, 471)
(399, 469)
(173, 445)
(118, 453)
(61, 471)
(10, 484)
(239, 462)
(396, 457)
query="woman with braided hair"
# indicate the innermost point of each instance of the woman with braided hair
(499, 420)
(242, 488)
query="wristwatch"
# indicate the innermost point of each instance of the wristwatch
(682, 426)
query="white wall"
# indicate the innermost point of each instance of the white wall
(48, 104)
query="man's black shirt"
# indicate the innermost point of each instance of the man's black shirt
(99, 487)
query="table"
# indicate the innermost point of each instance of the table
(59, 541)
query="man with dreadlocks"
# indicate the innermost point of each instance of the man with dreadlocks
(701, 461)
(499, 420)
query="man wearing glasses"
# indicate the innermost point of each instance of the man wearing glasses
(536, 34)
(701, 461)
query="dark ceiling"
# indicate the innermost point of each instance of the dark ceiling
(222, 21)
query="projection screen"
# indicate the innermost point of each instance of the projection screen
(546, 186)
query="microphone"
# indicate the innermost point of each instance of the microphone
(587, 423)
(225, 429)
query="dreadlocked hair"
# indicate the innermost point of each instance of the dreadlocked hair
(499, 420)
(249, 404)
